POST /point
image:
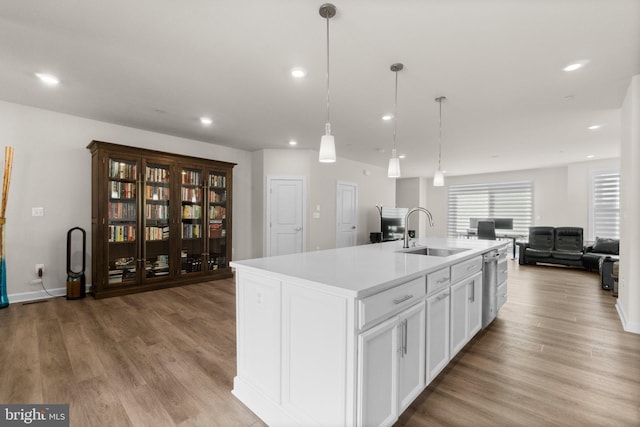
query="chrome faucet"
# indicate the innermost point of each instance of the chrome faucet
(406, 223)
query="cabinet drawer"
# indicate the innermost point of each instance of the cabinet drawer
(377, 306)
(466, 268)
(502, 294)
(438, 279)
(502, 270)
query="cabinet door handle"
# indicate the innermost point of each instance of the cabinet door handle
(406, 326)
(472, 298)
(443, 296)
(402, 299)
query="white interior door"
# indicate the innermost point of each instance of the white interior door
(346, 214)
(285, 222)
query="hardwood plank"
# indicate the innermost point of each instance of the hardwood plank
(556, 355)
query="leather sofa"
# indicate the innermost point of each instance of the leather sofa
(553, 245)
(601, 248)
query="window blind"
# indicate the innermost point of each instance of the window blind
(493, 200)
(605, 204)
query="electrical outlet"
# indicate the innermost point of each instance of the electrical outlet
(39, 270)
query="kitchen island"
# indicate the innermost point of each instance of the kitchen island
(352, 336)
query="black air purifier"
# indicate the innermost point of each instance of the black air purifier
(76, 282)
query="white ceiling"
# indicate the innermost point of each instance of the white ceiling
(161, 64)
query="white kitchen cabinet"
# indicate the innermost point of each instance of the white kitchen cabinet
(391, 360)
(437, 332)
(349, 336)
(466, 311)
(378, 374)
(412, 362)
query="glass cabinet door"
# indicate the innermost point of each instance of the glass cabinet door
(192, 242)
(122, 246)
(156, 248)
(217, 221)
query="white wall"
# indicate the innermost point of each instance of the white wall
(410, 193)
(374, 188)
(628, 304)
(561, 194)
(52, 169)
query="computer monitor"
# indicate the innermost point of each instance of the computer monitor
(501, 223)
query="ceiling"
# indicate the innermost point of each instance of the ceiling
(160, 65)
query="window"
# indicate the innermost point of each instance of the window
(497, 200)
(605, 204)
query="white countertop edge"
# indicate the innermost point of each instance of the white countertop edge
(419, 265)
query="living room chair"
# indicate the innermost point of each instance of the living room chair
(486, 230)
(538, 247)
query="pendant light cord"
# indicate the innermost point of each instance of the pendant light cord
(395, 116)
(328, 116)
(440, 134)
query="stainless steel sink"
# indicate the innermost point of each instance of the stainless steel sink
(435, 251)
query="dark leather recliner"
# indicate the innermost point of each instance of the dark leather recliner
(539, 246)
(569, 246)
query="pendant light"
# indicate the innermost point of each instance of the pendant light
(438, 177)
(394, 163)
(327, 144)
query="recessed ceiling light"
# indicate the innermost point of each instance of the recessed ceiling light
(402, 156)
(590, 156)
(575, 66)
(206, 121)
(48, 79)
(298, 72)
(594, 127)
(387, 117)
(292, 142)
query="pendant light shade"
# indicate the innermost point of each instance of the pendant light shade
(327, 147)
(394, 162)
(438, 177)
(394, 166)
(327, 143)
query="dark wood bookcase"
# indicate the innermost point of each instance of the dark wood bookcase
(157, 219)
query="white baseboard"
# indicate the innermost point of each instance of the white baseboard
(39, 295)
(633, 327)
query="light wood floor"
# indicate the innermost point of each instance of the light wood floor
(556, 355)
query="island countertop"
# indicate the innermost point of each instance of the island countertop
(360, 271)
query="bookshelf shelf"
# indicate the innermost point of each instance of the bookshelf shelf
(158, 219)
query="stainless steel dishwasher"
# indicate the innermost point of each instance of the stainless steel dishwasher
(489, 287)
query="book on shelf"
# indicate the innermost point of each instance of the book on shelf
(122, 233)
(122, 170)
(156, 193)
(217, 212)
(156, 174)
(122, 190)
(156, 233)
(218, 196)
(219, 181)
(191, 211)
(156, 211)
(122, 210)
(190, 177)
(191, 195)
(190, 231)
